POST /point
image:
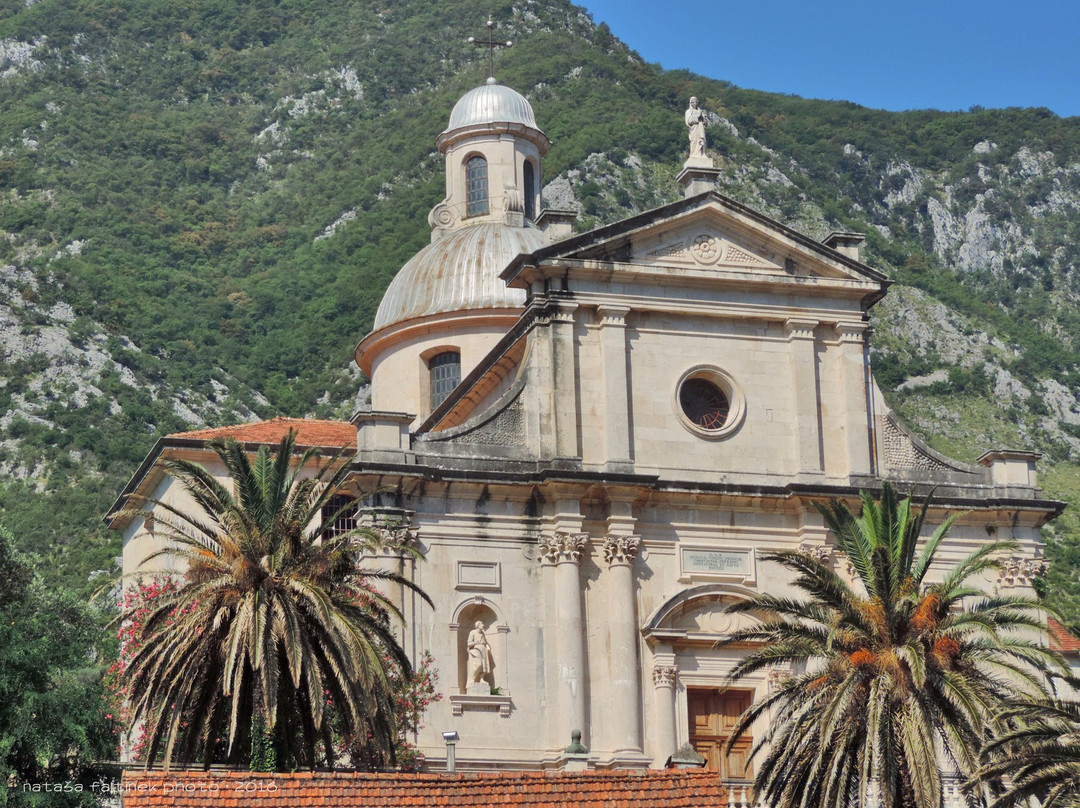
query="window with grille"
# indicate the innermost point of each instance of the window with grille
(445, 369)
(341, 510)
(476, 186)
(529, 181)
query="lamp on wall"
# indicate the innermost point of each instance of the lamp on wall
(451, 738)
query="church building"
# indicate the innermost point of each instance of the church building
(593, 437)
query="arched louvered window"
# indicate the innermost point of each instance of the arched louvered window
(529, 181)
(445, 370)
(476, 186)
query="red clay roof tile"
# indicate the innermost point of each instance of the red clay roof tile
(671, 788)
(1061, 639)
(309, 432)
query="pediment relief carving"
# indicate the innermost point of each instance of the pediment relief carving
(703, 247)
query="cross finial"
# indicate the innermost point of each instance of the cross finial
(491, 45)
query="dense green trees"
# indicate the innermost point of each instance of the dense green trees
(53, 725)
(274, 646)
(896, 678)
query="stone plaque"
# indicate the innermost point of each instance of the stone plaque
(478, 575)
(716, 562)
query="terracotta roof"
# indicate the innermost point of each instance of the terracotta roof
(671, 788)
(1061, 639)
(309, 432)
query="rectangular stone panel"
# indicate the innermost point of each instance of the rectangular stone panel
(484, 575)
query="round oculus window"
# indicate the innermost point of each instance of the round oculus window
(704, 404)
(708, 402)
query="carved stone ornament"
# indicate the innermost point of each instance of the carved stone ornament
(1019, 571)
(774, 678)
(664, 675)
(513, 200)
(442, 216)
(621, 549)
(562, 547)
(706, 248)
(818, 552)
(394, 539)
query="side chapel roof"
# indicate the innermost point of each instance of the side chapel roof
(309, 432)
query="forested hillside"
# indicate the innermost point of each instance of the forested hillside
(201, 203)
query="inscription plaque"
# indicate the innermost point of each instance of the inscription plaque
(717, 562)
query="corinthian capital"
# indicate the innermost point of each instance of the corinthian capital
(562, 547)
(664, 675)
(621, 549)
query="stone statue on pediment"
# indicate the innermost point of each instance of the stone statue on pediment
(695, 121)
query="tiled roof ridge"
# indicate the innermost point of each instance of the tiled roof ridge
(277, 419)
(465, 777)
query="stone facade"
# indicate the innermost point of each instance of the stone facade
(643, 410)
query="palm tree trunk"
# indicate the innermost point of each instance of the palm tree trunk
(263, 749)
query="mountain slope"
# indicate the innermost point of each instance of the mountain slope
(201, 204)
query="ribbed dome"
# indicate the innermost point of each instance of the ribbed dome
(491, 103)
(459, 272)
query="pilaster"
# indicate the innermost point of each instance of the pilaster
(617, 443)
(565, 393)
(855, 389)
(800, 335)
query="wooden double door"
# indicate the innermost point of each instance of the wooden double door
(713, 715)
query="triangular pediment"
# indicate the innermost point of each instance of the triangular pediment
(711, 233)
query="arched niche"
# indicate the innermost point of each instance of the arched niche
(469, 612)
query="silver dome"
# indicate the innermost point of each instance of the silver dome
(459, 272)
(491, 103)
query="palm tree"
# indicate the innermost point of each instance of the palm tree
(273, 625)
(894, 677)
(1040, 757)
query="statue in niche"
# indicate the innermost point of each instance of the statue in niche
(695, 120)
(479, 655)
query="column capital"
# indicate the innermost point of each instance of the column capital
(664, 675)
(821, 553)
(611, 314)
(564, 311)
(854, 331)
(562, 547)
(796, 328)
(621, 550)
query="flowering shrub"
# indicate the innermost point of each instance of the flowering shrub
(135, 606)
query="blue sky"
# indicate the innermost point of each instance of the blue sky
(949, 54)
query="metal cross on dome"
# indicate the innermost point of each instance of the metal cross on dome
(491, 45)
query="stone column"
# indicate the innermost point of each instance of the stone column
(854, 389)
(624, 721)
(563, 551)
(800, 334)
(617, 448)
(665, 741)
